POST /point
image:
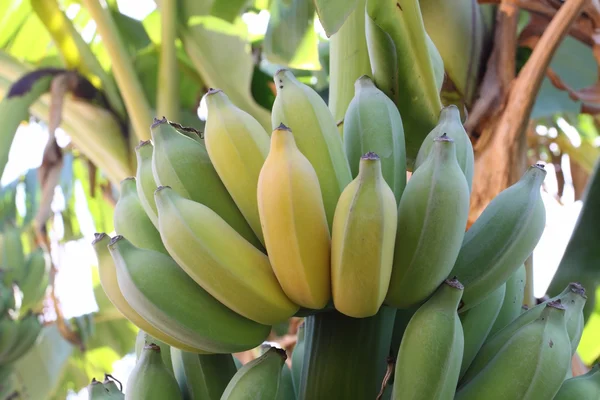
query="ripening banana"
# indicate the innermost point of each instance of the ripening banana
(431, 351)
(300, 108)
(150, 379)
(298, 358)
(108, 279)
(238, 146)
(373, 124)
(257, 379)
(9, 335)
(143, 338)
(531, 365)
(294, 222)
(220, 260)
(163, 294)
(144, 179)
(183, 164)
(503, 236)
(432, 217)
(132, 221)
(513, 300)
(13, 258)
(202, 376)
(582, 387)
(450, 123)
(29, 328)
(477, 323)
(35, 282)
(362, 242)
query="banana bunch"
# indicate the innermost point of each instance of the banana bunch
(17, 336)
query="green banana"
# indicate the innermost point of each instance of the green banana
(106, 390)
(432, 217)
(202, 376)
(29, 328)
(437, 64)
(503, 236)
(183, 164)
(373, 124)
(144, 179)
(35, 281)
(114, 391)
(396, 40)
(150, 379)
(13, 258)
(286, 389)
(477, 324)
(300, 108)
(220, 260)
(156, 287)
(513, 300)
(449, 122)
(7, 298)
(9, 335)
(131, 220)
(431, 351)
(401, 321)
(582, 387)
(258, 379)
(238, 146)
(142, 339)
(298, 358)
(530, 365)
(367, 204)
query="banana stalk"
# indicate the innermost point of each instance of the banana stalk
(167, 101)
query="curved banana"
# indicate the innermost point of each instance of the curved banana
(582, 387)
(144, 179)
(513, 300)
(298, 358)
(294, 222)
(366, 205)
(131, 220)
(503, 236)
(238, 146)
(9, 335)
(431, 351)
(531, 365)
(373, 124)
(220, 260)
(150, 379)
(286, 389)
(182, 163)
(450, 123)
(29, 329)
(432, 217)
(257, 379)
(156, 287)
(143, 339)
(35, 282)
(300, 108)
(13, 258)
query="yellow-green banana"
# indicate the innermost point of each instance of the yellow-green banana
(144, 179)
(432, 217)
(220, 260)
(430, 354)
(150, 379)
(294, 222)
(163, 294)
(300, 108)
(513, 300)
(257, 379)
(183, 164)
(362, 242)
(503, 236)
(449, 123)
(373, 124)
(35, 281)
(530, 365)
(131, 220)
(582, 387)
(238, 146)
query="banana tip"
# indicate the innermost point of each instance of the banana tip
(158, 122)
(443, 138)
(213, 91)
(98, 237)
(453, 282)
(578, 288)
(556, 304)
(370, 156)
(142, 143)
(152, 347)
(161, 188)
(115, 240)
(283, 127)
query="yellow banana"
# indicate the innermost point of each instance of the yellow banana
(144, 179)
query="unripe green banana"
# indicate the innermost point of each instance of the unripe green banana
(366, 205)
(220, 260)
(9, 335)
(257, 379)
(432, 217)
(202, 376)
(373, 124)
(298, 358)
(450, 123)
(582, 387)
(183, 164)
(238, 146)
(150, 379)
(300, 108)
(131, 220)
(503, 236)
(294, 222)
(7, 297)
(513, 300)
(106, 390)
(531, 365)
(437, 64)
(144, 179)
(142, 339)
(29, 329)
(114, 391)
(477, 324)
(35, 281)
(164, 295)
(431, 351)
(13, 258)
(286, 389)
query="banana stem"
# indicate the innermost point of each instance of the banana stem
(168, 83)
(128, 82)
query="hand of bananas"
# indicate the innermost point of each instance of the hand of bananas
(222, 236)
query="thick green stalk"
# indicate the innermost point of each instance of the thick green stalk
(168, 79)
(135, 101)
